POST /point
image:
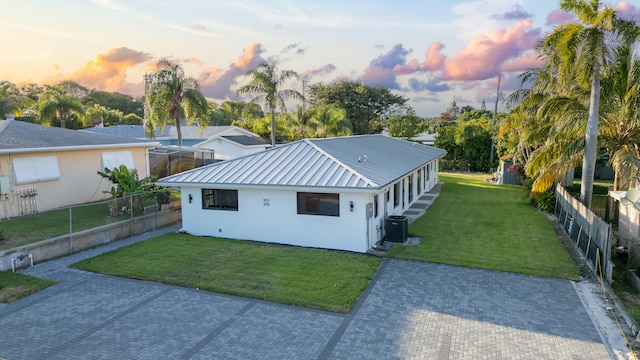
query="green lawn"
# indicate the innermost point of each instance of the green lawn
(315, 278)
(14, 286)
(475, 224)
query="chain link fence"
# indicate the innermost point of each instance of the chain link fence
(88, 225)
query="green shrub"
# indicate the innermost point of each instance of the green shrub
(545, 201)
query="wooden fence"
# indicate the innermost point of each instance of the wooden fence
(592, 235)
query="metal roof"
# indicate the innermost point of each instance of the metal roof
(167, 132)
(20, 135)
(246, 140)
(356, 162)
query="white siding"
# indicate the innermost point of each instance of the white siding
(226, 150)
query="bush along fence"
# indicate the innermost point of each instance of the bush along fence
(46, 235)
(592, 235)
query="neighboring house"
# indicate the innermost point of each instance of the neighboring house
(329, 193)
(234, 142)
(191, 135)
(628, 215)
(43, 168)
(425, 138)
(508, 173)
(628, 233)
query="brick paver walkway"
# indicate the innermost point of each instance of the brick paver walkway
(411, 310)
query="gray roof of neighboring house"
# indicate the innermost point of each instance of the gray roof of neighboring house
(357, 162)
(20, 136)
(246, 140)
(168, 132)
(425, 137)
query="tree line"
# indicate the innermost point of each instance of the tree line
(583, 105)
(172, 97)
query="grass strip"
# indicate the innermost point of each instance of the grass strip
(476, 224)
(14, 286)
(314, 278)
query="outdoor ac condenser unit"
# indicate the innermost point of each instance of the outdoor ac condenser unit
(4, 185)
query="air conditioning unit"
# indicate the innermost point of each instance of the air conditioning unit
(5, 185)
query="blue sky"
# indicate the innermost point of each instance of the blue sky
(432, 52)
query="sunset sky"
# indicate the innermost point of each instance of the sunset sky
(431, 52)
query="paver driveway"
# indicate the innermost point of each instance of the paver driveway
(411, 310)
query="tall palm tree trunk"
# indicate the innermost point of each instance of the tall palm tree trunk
(273, 126)
(178, 129)
(591, 140)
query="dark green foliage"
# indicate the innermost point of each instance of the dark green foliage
(404, 126)
(115, 101)
(366, 107)
(468, 145)
(545, 201)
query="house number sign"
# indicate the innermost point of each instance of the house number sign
(265, 202)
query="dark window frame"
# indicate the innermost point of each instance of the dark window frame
(319, 204)
(375, 206)
(396, 194)
(220, 199)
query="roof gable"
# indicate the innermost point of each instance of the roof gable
(358, 162)
(189, 132)
(20, 135)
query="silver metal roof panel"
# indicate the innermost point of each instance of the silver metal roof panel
(356, 162)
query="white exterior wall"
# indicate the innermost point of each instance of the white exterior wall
(278, 222)
(78, 183)
(225, 149)
(628, 223)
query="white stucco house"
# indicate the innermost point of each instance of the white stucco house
(227, 142)
(628, 215)
(328, 193)
(233, 142)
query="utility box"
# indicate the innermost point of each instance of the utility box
(397, 228)
(5, 185)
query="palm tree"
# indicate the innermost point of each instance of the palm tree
(267, 81)
(577, 52)
(621, 120)
(55, 104)
(169, 94)
(12, 101)
(331, 121)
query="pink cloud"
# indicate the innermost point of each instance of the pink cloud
(558, 17)
(627, 11)
(485, 54)
(217, 83)
(525, 62)
(108, 71)
(434, 59)
(323, 70)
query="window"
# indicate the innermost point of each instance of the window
(318, 204)
(411, 188)
(396, 194)
(31, 170)
(428, 168)
(220, 199)
(375, 205)
(419, 181)
(111, 160)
